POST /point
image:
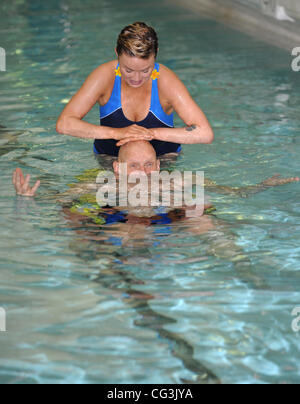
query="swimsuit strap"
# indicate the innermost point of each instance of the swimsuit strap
(156, 107)
(114, 102)
(118, 71)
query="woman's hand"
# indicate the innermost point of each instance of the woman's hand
(133, 133)
(22, 184)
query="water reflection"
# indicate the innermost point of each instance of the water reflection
(132, 245)
(124, 245)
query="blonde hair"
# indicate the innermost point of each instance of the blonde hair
(138, 40)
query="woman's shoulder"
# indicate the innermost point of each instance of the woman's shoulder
(167, 76)
(163, 69)
(107, 68)
(168, 79)
(103, 77)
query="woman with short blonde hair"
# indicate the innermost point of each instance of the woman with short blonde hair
(137, 98)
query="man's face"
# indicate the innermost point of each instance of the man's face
(145, 165)
(140, 157)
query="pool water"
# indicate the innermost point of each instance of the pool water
(158, 304)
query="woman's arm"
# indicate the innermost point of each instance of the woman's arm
(70, 120)
(96, 86)
(172, 92)
(198, 129)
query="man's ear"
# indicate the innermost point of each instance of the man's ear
(116, 53)
(158, 165)
(116, 167)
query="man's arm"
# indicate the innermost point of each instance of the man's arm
(23, 188)
(245, 192)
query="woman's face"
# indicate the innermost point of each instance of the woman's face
(135, 71)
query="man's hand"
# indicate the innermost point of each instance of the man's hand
(276, 181)
(21, 184)
(133, 133)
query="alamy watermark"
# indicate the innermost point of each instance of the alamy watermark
(2, 320)
(157, 189)
(2, 60)
(296, 61)
(296, 321)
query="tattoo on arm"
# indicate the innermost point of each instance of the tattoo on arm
(191, 128)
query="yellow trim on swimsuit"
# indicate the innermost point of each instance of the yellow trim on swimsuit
(118, 72)
(155, 74)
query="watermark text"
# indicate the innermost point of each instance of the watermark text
(156, 189)
(296, 321)
(2, 320)
(2, 60)
(296, 61)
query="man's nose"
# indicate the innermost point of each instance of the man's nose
(139, 171)
(148, 171)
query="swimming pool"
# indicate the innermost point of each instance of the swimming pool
(170, 304)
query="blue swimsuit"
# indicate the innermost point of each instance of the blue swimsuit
(112, 115)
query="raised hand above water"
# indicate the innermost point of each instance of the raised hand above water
(22, 185)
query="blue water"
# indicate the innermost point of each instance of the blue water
(160, 304)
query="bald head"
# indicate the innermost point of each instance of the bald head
(133, 149)
(139, 156)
